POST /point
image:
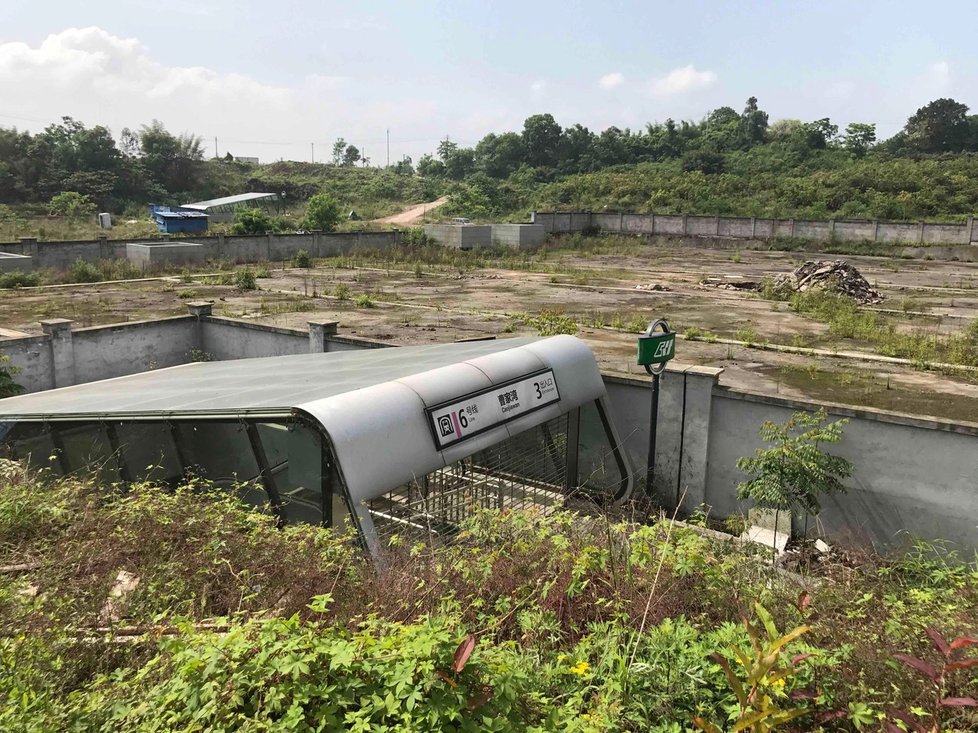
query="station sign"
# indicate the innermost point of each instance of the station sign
(468, 416)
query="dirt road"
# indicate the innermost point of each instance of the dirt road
(412, 215)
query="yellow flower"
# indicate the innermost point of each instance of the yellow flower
(581, 668)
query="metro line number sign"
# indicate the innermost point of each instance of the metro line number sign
(656, 348)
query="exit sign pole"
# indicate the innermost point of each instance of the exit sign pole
(655, 348)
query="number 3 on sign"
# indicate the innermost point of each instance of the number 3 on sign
(536, 386)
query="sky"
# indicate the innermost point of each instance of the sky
(284, 79)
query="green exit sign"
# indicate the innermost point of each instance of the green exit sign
(656, 348)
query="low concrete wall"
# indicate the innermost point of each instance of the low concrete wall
(909, 475)
(162, 255)
(239, 249)
(15, 263)
(517, 236)
(830, 230)
(33, 360)
(114, 351)
(459, 236)
(227, 339)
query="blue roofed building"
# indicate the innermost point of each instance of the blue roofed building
(179, 220)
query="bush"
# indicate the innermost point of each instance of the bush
(322, 213)
(364, 301)
(252, 221)
(342, 291)
(301, 259)
(81, 271)
(245, 279)
(19, 279)
(72, 205)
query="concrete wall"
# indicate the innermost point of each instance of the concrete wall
(226, 339)
(165, 254)
(517, 236)
(32, 356)
(459, 236)
(15, 263)
(754, 228)
(911, 475)
(263, 247)
(114, 351)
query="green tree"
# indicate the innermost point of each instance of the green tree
(755, 123)
(252, 221)
(941, 126)
(859, 138)
(794, 471)
(541, 139)
(351, 156)
(339, 151)
(72, 205)
(499, 156)
(322, 213)
(174, 162)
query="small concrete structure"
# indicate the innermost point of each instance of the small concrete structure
(149, 255)
(15, 263)
(518, 236)
(459, 236)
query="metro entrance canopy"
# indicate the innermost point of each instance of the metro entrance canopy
(385, 440)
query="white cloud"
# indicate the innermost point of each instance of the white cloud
(682, 79)
(99, 78)
(610, 81)
(538, 87)
(941, 73)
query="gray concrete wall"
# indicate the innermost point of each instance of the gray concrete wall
(460, 236)
(228, 339)
(753, 228)
(114, 351)
(32, 356)
(15, 263)
(910, 475)
(239, 249)
(517, 236)
(165, 254)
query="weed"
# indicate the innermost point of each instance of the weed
(342, 291)
(262, 270)
(245, 279)
(187, 294)
(363, 301)
(301, 259)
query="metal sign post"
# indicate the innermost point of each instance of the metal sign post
(655, 347)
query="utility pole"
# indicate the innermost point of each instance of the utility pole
(312, 155)
(215, 146)
(388, 147)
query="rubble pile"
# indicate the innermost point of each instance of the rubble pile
(730, 282)
(834, 276)
(654, 287)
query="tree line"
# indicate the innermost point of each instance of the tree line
(503, 172)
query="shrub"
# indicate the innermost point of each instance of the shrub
(245, 279)
(71, 204)
(8, 387)
(84, 272)
(364, 301)
(252, 221)
(322, 213)
(301, 259)
(342, 291)
(18, 279)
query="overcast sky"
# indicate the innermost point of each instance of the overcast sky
(268, 78)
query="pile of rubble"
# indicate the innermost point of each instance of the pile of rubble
(834, 276)
(730, 282)
(654, 287)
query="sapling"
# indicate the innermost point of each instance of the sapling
(795, 471)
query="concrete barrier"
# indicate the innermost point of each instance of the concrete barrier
(518, 236)
(459, 236)
(15, 263)
(163, 255)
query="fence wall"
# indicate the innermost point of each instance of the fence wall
(756, 228)
(270, 247)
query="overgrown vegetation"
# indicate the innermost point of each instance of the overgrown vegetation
(524, 623)
(847, 320)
